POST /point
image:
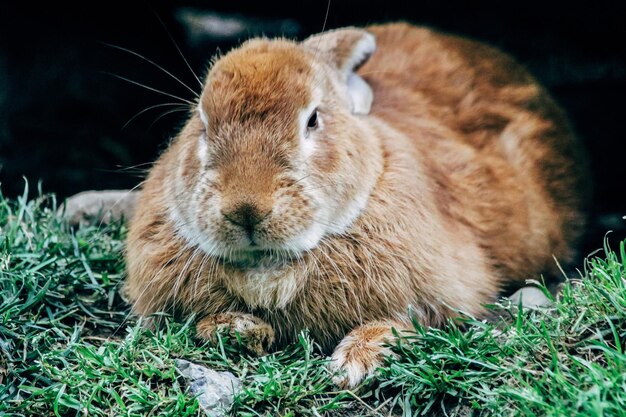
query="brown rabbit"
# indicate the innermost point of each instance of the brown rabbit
(335, 185)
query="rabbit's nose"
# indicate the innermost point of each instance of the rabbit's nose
(245, 215)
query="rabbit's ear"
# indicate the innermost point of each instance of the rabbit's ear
(347, 49)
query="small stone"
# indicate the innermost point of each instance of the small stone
(94, 207)
(215, 390)
(531, 297)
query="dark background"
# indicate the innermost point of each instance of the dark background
(62, 116)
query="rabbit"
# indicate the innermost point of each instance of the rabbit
(351, 183)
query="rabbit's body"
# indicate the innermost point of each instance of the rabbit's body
(463, 178)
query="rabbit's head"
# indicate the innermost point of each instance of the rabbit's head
(280, 153)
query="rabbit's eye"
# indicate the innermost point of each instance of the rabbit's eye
(313, 122)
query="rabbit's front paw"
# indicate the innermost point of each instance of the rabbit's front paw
(359, 354)
(255, 334)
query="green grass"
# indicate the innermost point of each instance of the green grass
(68, 346)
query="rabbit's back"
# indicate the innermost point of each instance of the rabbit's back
(501, 154)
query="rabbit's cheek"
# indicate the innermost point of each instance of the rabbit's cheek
(289, 221)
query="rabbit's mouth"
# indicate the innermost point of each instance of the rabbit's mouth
(261, 259)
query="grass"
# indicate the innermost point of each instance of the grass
(69, 347)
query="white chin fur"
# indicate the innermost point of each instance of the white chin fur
(307, 240)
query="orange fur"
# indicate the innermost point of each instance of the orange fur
(472, 176)
(362, 351)
(256, 335)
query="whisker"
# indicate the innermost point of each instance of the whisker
(150, 108)
(155, 64)
(128, 80)
(301, 179)
(122, 169)
(317, 47)
(318, 187)
(325, 17)
(175, 45)
(165, 114)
